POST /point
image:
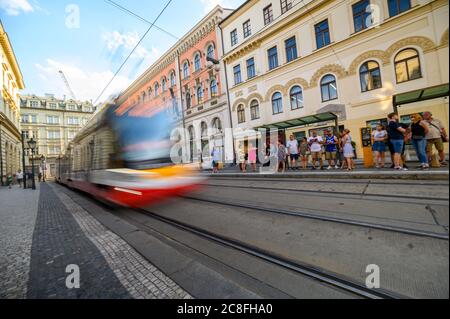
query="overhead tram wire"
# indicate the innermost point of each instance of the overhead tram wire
(120, 7)
(134, 49)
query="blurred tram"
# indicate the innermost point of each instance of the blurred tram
(123, 156)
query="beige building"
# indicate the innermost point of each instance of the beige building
(296, 65)
(11, 82)
(53, 123)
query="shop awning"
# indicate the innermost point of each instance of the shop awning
(303, 121)
(433, 92)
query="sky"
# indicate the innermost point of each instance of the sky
(89, 39)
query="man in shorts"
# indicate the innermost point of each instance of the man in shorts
(436, 137)
(292, 148)
(315, 143)
(331, 149)
(397, 139)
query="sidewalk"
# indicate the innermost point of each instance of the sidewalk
(359, 173)
(44, 231)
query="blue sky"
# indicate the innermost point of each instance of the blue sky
(50, 35)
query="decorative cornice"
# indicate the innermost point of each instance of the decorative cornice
(9, 52)
(336, 69)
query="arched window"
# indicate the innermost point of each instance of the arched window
(188, 100)
(210, 52)
(191, 143)
(164, 85)
(197, 63)
(172, 79)
(213, 88)
(328, 88)
(277, 103)
(407, 66)
(143, 96)
(199, 94)
(296, 95)
(204, 130)
(241, 114)
(156, 89)
(217, 124)
(185, 70)
(254, 110)
(370, 76)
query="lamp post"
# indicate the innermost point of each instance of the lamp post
(32, 146)
(23, 161)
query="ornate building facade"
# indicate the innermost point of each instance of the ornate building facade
(197, 84)
(53, 123)
(11, 82)
(293, 65)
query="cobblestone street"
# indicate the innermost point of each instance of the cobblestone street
(43, 232)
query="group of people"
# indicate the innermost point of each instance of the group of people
(424, 133)
(338, 150)
(17, 178)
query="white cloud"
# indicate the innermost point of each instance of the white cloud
(211, 4)
(15, 7)
(115, 40)
(86, 85)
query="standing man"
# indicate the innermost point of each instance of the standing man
(331, 149)
(436, 137)
(292, 147)
(315, 143)
(397, 139)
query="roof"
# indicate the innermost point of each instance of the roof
(425, 94)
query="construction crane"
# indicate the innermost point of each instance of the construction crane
(67, 85)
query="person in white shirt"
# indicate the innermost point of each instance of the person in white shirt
(315, 143)
(292, 147)
(19, 177)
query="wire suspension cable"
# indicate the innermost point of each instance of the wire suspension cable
(134, 49)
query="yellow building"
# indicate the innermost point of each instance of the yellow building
(53, 123)
(11, 82)
(295, 64)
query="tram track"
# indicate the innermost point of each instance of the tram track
(402, 230)
(313, 272)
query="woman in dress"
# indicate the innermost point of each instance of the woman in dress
(348, 149)
(304, 150)
(252, 157)
(281, 157)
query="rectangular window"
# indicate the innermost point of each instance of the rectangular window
(322, 34)
(52, 120)
(291, 49)
(286, 5)
(268, 15)
(34, 104)
(52, 106)
(54, 150)
(247, 29)
(251, 72)
(34, 119)
(73, 121)
(237, 74)
(25, 118)
(53, 135)
(362, 17)
(398, 6)
(71, 107)
(71, 135)
(234, 37)
(273, 58)
(26, 135)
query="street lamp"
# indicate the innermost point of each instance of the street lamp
(32, 146)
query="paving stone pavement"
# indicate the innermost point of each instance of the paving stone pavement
(18, 210)
(44, 231)
(141, 279)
